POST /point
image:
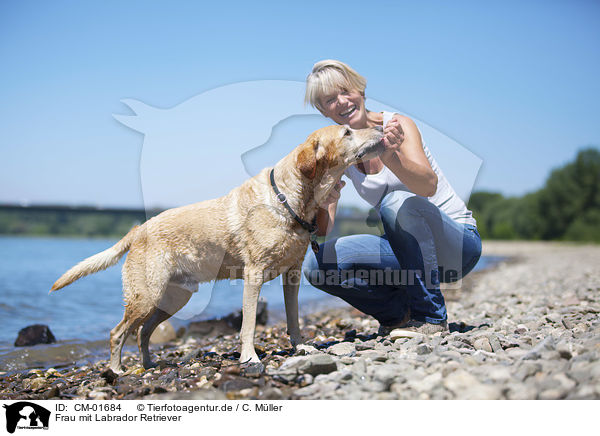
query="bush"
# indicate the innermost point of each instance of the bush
(566, 208)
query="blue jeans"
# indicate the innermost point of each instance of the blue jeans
(384, 276)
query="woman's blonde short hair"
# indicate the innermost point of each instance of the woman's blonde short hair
(330, 76)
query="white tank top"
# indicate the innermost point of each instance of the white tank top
(373, 187)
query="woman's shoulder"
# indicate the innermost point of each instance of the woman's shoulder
(402, 118)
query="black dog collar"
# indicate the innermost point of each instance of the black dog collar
(309, 227)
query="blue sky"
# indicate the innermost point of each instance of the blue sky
(516, 83)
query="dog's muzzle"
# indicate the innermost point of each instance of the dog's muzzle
(376, 148)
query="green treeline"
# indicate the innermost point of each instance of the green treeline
(67, 223)
(566, 208)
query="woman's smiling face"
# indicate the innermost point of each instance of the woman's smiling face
(345, 107)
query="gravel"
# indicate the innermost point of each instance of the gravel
(526, 329)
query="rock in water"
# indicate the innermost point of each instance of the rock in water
(109, 376)
(33, 335)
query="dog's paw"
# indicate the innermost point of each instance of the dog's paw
(118, 370)
(253, 369)
(162, 364)
(150, 365)
(297, 340)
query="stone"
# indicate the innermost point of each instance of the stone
(373, 355)
(499, 373)
(423, 349)
(565, 349)
(554, 317)
(552, 394)
(481, 392)
(516, 353)
(521, 329)
(272, 394)
(495, 344)
(163, 333)
(33, 335)
(304, 380)
(109, 375)
(565, 382)
(293, 364)
(521, 392)
(385, 375)
(526, 370)
(190, 355)
(342, 349)
(399, 333)
(53, 392)
(452, 354)
(172, 375)
(253, 369)
(304, 349)
(320, 364)
(345, 375)
(313, 364)
(427, 383)
(234, 383)
(360, 367)
(459, 381)
(35, 383)
(471, 361)
(374, 386)
(366, 345)
(98, 395)
(532, 355)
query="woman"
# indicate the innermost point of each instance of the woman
(430, 235)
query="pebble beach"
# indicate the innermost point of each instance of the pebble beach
(527, 328)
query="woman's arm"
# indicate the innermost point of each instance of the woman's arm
(404, 156)
(326, 213)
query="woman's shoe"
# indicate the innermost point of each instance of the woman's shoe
(424, 328)
(385, 330)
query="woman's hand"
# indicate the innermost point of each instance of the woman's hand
(393, 135)
(326, 213)
(334, 195)
(405, 157)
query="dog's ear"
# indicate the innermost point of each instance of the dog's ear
(307, 160)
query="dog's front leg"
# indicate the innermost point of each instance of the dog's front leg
(253, 281)
(291, 284)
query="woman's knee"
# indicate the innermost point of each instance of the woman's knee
(311, 269)
(401, 208)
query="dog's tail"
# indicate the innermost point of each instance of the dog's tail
(97, 262)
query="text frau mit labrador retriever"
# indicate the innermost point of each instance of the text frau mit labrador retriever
(250, 233)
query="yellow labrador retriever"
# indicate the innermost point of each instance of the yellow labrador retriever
(257, 232)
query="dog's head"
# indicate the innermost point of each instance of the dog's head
(332, 149)
(327, 152)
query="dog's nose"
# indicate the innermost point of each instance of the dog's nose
(379, 128)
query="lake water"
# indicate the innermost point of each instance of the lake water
(82, 314)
